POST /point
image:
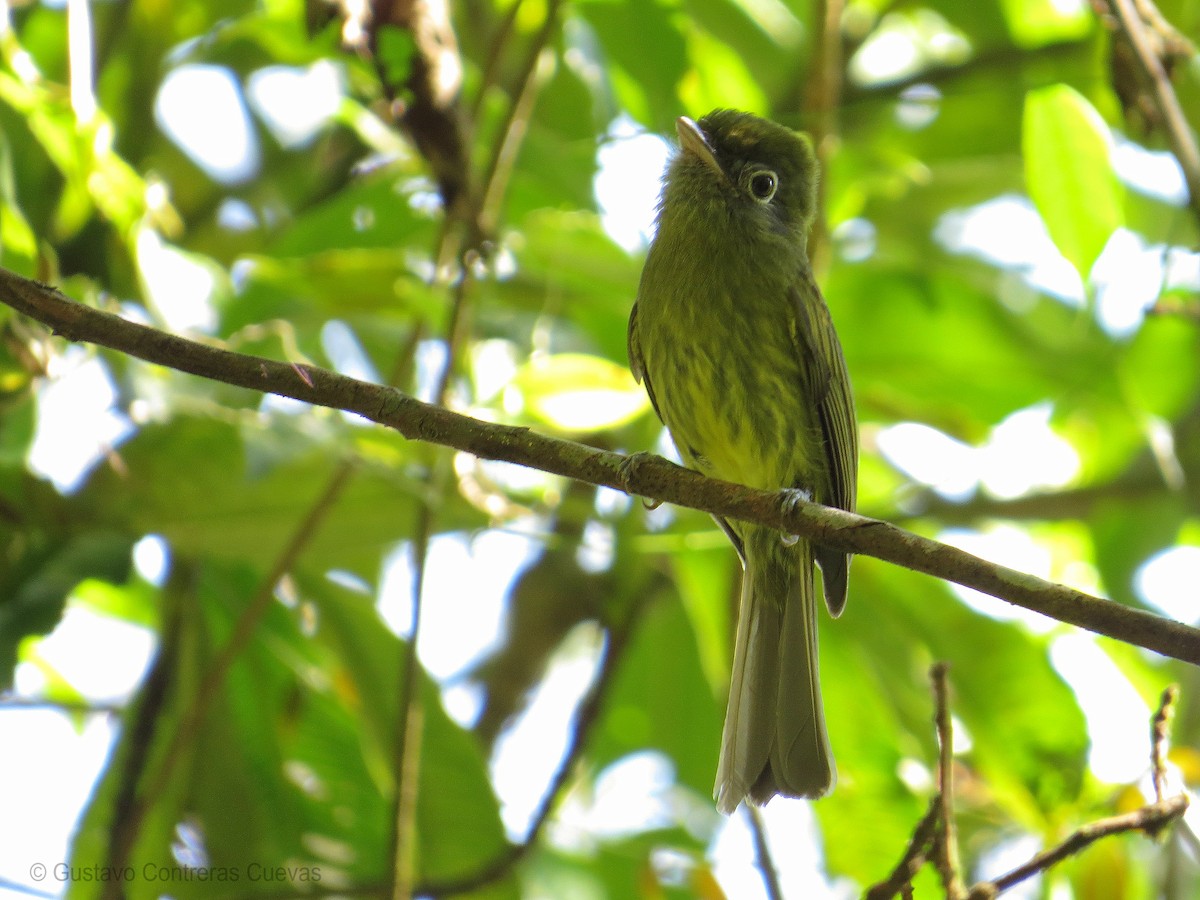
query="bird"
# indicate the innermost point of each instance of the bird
(736, 348)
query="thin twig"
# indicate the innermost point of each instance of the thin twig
(915, 855)
(512, 131)
(643, 475)
(585, 719)
(1160, 727)
(475, 215)
(946, 840)
(410, 717)
(762, 852)
(942, 843)
(1149, 819)
(491, 68)
(410, 727)
(142, 725)
(586, 716)
(822, 100)
(1179, 133)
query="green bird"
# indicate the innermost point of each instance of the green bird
(738, 353)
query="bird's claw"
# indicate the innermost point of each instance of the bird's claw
(791, 500)
(625, 474)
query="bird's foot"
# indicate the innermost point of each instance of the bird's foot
(626, 473)
(792, 498)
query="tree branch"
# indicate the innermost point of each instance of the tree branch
(945, 839)
(642, 474)
(762, 852)
(934, 836)
(588, 713)
(1149, 819)
(915, 855)
(1160, 729)
(1174, 122)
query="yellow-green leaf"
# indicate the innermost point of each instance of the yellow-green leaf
(1069, 174)
(577, 392)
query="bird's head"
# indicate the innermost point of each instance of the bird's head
(736, 171)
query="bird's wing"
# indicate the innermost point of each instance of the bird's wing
(828, 387)
(636, 364)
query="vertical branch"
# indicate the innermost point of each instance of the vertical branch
(762, 851)
(410, 727)
(821, 100)
(466, 226)
(410, 716)
(946, 844)
(1160, 728)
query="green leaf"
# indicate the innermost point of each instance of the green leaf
(1069, 174)
(40, 571)
(1036, 23)
(458, 818)
(661, 700)
(725, 82)
(1161, 367)
(646, 57)
(291, 766)
(578, 393)
(708, 590)
(214, 489)
(18, 246)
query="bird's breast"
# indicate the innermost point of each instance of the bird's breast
(727, 376)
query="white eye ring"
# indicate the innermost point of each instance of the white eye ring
(762, 185)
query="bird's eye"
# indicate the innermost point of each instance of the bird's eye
(763, 185)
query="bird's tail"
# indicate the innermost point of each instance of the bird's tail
(774, 741)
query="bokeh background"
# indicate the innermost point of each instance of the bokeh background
(206, 596)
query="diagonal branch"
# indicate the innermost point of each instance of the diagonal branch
(915, 855)
(644, 475)
(586, 716)
(1149, 819)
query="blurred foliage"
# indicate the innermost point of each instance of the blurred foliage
(324, 249)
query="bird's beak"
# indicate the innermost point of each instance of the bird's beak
(693, 141)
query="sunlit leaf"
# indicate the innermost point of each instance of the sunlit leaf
(1069, 173)
(574, 392)
(1035, 23)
